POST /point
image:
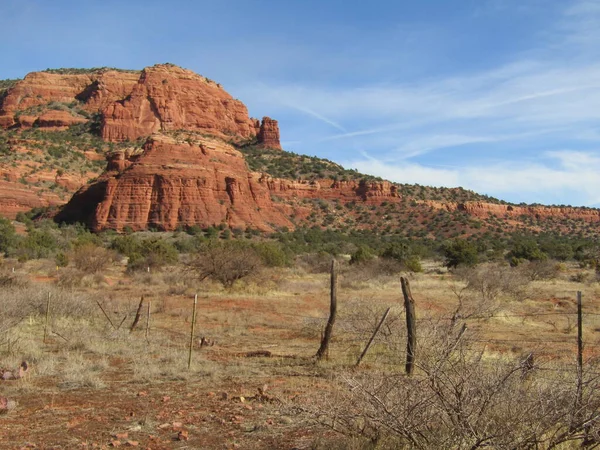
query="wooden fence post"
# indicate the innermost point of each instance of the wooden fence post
(47, 317)
(192, 331)
(105, 315)
(148, 319)
(323, 349)
(138, 313)
(362, 355)
(411, 328)
(579, 354)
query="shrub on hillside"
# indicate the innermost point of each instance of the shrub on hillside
(523, 249)
(460, 252)
(154, 252)
(39, 243)
(272, 254)
(362, 255)
(8, 235)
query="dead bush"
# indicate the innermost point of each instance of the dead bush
(492, 280)
(69, 278)
(18, 303)
(90, 258)
(378, 269)
(540, 270)
(459, 399)
(225, 262)
(315, 262)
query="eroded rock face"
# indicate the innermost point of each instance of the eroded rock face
(177, 183)
(483, 210)
(327, 189)
(126, 105)
(167, 98)
(93, 90)
(268, 133)
(58, 120)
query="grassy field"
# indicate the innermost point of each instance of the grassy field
(95, 384)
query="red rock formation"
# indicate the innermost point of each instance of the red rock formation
(16, 197)
(483, 210)
(268, 134)
(327, 189)
(95, 89)
(173, 183)
(58, 120)
(166, 98)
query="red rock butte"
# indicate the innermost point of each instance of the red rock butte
(135, 105)
(188, 171)
(192, 181)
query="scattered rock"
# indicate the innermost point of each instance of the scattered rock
(183, 435)
(7, 405)
(10, 374)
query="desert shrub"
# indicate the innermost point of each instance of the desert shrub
(159, 252)
(61, 259)
(315, 262)
(8, 235)
(540, 270)
(272, 254)
(90, 258)
(457, 400)
(491, 280)
(20, 301)
(377, 269)
(154, 252)
(69, 278)
(362, 255)
(225, 261)
(126, 245)
(579, 277)
(525, 249)
(460, 252)
(39, 243)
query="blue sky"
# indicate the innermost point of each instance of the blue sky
(498, 96)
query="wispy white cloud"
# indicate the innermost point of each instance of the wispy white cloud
(544, 99)
(553, 179)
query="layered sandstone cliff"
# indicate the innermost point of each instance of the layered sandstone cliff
(124, 105)
(92, 91)
(484, 210)
(134, 105)
(177, 183)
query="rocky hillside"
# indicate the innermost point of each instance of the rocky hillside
(182, 152)
(57, 126)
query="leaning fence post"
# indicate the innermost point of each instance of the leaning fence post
(411, 341)
(138, 313)
(323, 349)
(192, 331)
(47, 317)
(148, 319)
(362, 355)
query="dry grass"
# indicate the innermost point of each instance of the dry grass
(282, 311)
